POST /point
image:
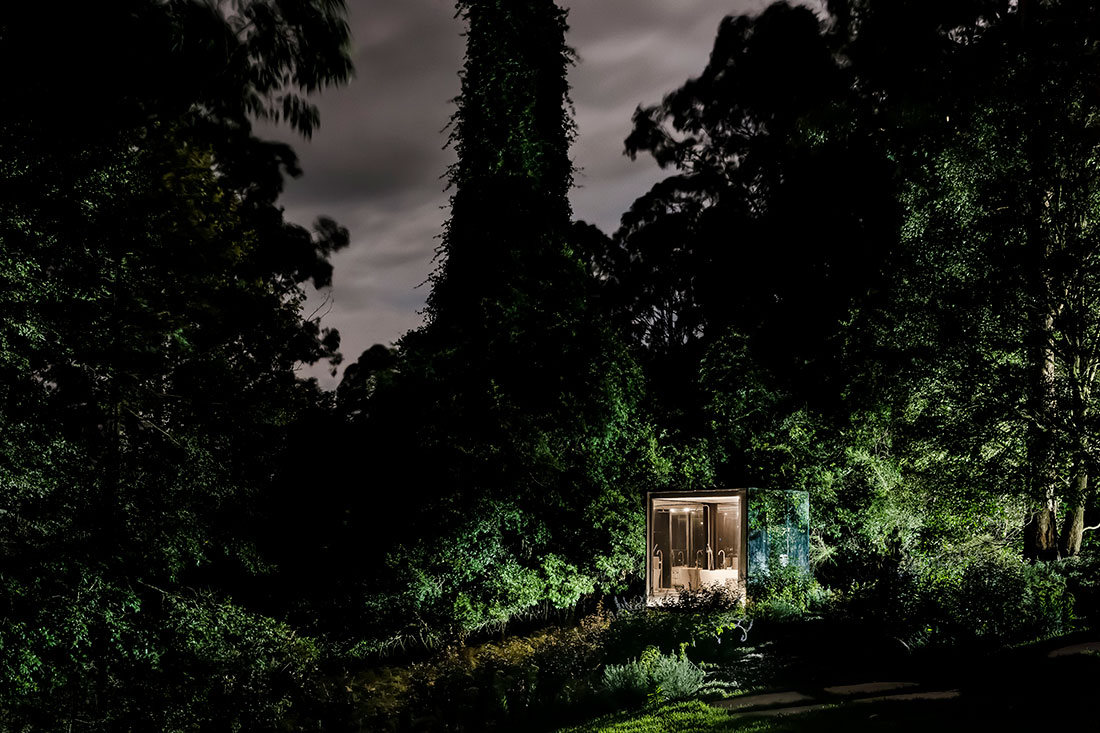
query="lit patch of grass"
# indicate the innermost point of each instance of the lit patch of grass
(698, 717)
(682, 717)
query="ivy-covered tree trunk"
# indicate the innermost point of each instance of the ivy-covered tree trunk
(513, 401)
(510, 211)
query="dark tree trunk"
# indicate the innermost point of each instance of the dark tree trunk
(1040, 531)
(1073, 521)
(1040, 537)
(1073, 524)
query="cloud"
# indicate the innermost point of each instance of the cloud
(377, 161)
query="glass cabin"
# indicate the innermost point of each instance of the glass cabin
(710, 538)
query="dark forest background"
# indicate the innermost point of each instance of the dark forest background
(871, 274)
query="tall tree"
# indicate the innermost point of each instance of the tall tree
(737, 275)
(514, 402)
(512, 132)
(1001, 229)
(773, 148)
(150, 327)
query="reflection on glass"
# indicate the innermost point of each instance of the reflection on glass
(727, 532)
(681, 549)
(661, 554)
(698, 547)
(779, 524)
(678, 539)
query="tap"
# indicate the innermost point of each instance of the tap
(721, 558)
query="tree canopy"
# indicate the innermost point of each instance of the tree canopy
(150, 331)
(891, 203)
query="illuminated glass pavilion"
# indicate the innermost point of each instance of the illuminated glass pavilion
(721, 537)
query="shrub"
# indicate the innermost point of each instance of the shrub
(1009, 600)
(785, 593)
(626, 685)
(547, 673)
(987, 600)
(119, 660)
(676, 677)
(708, 599)
(654, 677)
(707, 635)
(1082, 576)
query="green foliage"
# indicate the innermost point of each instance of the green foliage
(860, 492)
(760, 175)
(653, 678)
(150, 328)
(675, 677)
(765, 435)
(885, 351)
(704, 626)
(554, 675)
(105, 656)
(993, 284)
(785, 593)
(628, 685)
(670, 718)
(519, 72)
(1082, 576)
(544, 675)
(981, 601)
(502, 562)
(1005, 601)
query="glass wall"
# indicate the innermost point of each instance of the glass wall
(779, 530)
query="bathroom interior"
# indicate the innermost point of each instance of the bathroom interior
(696, 540)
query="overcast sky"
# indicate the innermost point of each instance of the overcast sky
(377, 161)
